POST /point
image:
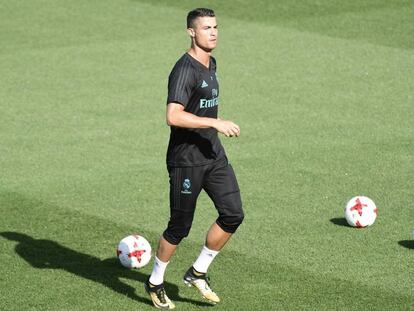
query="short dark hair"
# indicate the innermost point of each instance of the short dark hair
(200, 12)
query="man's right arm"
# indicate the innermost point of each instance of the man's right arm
(178, 117)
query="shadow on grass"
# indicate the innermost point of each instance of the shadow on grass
(47, 254)
(341, 221)
(407, 243)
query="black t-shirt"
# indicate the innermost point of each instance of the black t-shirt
(194, 86)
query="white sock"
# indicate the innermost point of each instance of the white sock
(157, 275)
(204, 259)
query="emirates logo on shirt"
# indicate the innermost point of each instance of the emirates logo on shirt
(208, 103)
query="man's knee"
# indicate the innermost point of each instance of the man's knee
(230, 223)
(174, 235)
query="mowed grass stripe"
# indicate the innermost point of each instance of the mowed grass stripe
(60, 245)
(381, 22)
(44, 23)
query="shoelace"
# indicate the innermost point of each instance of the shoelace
(203, 277)
(161, 295)
(205, 280)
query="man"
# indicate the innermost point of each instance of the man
(196, 160)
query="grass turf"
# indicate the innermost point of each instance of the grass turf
(323, 93)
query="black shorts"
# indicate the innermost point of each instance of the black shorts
(218, 181)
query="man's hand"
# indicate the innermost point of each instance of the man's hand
(176, 116)
(228, 128)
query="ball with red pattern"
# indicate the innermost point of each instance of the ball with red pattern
(134, 251)
(360, 212)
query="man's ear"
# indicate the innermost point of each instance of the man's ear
(191, 32)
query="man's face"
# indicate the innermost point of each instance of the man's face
(205, 33)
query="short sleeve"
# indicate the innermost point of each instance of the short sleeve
(181, 83)
(213, 63)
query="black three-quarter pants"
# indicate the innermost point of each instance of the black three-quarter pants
(219, 182)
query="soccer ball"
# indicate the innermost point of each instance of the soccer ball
(360, 212)
(134, 251)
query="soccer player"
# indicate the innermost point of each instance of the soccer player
(196, 160)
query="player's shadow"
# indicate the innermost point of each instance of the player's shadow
(407, 243)
(341, 221)
(47, 254)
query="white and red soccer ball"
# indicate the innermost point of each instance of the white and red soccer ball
(134, 251)
(360, 211)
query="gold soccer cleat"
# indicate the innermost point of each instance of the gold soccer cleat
(202, 283)
(159, 296)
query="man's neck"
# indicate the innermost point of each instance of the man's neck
(201, 55)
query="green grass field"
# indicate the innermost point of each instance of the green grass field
(323, 92)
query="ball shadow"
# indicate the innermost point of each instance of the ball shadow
(407, 243)
(340, 221)
(47, 254)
